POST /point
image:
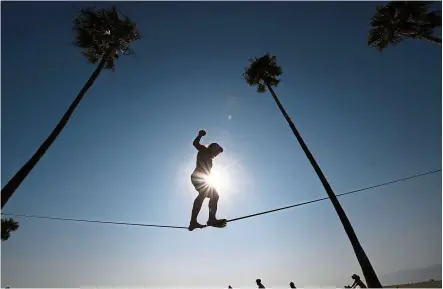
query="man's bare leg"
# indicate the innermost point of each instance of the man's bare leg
(213, 202)
(198, 202)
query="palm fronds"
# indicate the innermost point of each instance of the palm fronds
(263, 71)
(8, 226)
(398, 20)
(99, 30)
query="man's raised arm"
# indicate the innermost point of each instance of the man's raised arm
(196, 142)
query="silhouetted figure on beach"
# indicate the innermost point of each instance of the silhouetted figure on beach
(292, 285)
(229, 287)
(199, 180)
(357, 282)
(259, 284)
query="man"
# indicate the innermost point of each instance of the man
(199, 178)
(357, 282)
(259, 283)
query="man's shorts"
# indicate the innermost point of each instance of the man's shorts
(202, 187)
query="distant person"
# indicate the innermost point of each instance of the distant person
(259, 284)
(357, 282)
(199, 180)
(229, 287)
(292, 285)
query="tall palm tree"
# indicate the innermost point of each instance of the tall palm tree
(101, 35)
(398, 20)
(8, 226)
(263, 73)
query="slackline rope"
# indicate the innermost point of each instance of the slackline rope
(231, 220)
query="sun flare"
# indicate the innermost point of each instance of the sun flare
(219, 180)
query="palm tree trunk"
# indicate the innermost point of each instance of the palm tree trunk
(9, 189)
(365, 264)
(431, 39)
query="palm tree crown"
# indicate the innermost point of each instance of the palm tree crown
(398, 20)
(262, 72)
(97, 31)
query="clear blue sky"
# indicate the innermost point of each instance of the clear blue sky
(127, 153)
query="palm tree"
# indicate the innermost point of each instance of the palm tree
(8, 226)
(101, 35)
(263, 73)
(398, 20)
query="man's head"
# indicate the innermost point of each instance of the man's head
(258, 281)
(215, 149)
(355, 277)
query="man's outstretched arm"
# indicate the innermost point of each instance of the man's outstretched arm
(196, 142)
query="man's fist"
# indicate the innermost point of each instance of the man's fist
(202, 132)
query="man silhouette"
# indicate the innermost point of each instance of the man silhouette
(357, 282)
(199, 177)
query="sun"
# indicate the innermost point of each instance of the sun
(219, 180)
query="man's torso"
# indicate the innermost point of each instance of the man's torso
(204, 162)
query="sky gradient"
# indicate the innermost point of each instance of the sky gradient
(127, 153)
